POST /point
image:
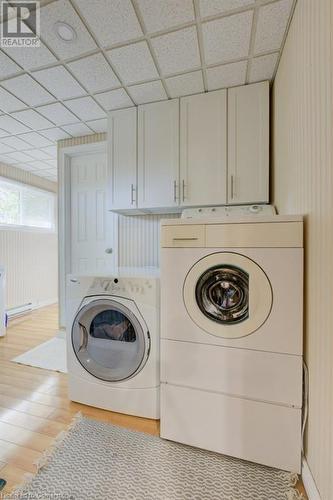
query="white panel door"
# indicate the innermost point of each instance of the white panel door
(248, 144)
(203, 149)
(158, 154)
(122, 157)
(93, 227)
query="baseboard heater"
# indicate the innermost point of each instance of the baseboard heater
(14, 312)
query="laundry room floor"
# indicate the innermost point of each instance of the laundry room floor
(34, 406)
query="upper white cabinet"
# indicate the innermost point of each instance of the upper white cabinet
(122, 145)
(248, 144)
(203, 149)
(158, 154)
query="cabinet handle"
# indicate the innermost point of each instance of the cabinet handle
(175, 191)
(232, 186)
(132, 194)
(183, 187)
(185, 239)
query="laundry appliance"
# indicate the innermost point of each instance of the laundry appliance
(231, 333)
(113, 341)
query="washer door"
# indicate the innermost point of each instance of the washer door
(228, 295)
(109, 341)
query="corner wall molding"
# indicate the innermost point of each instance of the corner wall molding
(309, 483)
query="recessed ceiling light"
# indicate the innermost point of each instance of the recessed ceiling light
(64, 31)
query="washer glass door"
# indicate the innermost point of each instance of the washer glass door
(222, 293)
(227, 294)
(109, 341)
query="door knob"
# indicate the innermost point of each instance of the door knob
(108, 250)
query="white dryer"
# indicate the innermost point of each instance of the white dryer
(113, 341)
(231, 330)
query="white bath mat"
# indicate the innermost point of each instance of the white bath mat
(50, 355)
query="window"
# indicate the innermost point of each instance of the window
(26, 206)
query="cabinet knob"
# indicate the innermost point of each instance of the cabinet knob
(108, 250)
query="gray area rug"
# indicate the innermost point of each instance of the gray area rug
(99, 461)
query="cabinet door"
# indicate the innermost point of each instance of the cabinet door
(248, 144)
(203, 149)
(158, 154)
(122, 146)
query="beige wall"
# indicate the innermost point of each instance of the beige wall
(30, 257)
(303, 183)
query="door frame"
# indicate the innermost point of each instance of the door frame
(65, 155)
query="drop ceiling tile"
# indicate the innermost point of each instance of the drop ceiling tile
(5, 149)
(160, 15)
(114, 99)
(227, 38)
(8, 161)
(38, 154)
(38, 165)
(35, 140)
(4, 159)
(62, 11)
(8, 124)
(262, 68)
(31, 58)
(15, 143)
(58, 114)
(228, 75)
(98, 13)
(177, 51)
(190, 83)
(25, 88)
(77, 129)
(55, 134)
(19, 156)
(3, 133)
(98, 126)
(51, 151)
(147, 92)
(214, 7)
(7, 66)
(271, 26)
(47, 174)
(60, 82)
(85, 108)
(133, 63)
(24, 166)
(95, 73)
(10, 103)
(32, 119)
(52, 163)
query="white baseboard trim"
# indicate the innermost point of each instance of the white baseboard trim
(44, 303)
(309, 483)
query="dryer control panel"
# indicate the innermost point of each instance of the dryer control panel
(116, 286)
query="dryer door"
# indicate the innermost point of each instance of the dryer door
(109, 340)
(228, 294)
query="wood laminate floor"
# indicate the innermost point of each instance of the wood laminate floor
(34, 406)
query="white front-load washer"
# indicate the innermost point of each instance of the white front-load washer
(113, 341)
(231, 335)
